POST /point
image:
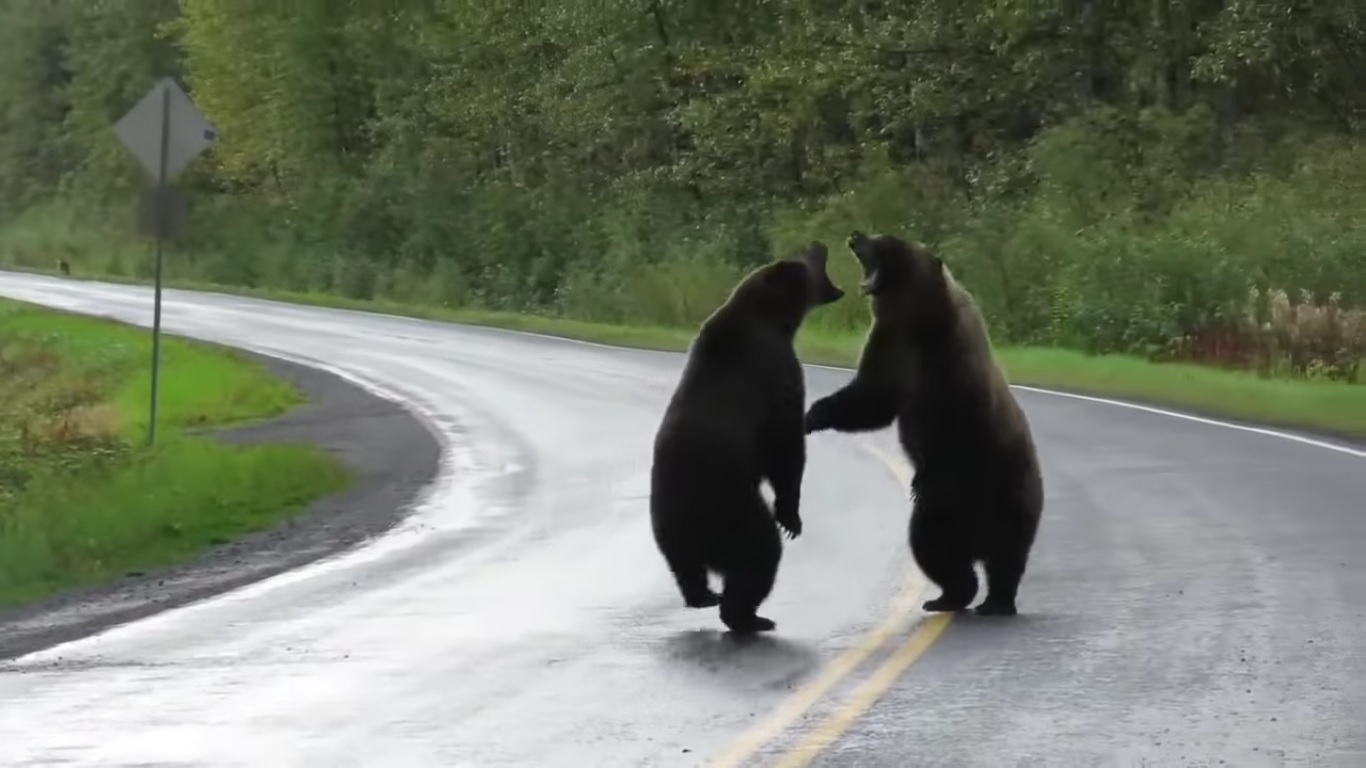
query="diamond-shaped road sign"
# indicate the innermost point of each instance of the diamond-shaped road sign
(189, 132)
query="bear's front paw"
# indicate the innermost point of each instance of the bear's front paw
(790, 522)
(817, 418)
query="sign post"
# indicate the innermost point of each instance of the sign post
(164, 131)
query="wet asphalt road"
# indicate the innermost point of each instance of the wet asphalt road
(1197, 593)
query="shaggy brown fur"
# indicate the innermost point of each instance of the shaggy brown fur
(927, 364)
(735, 420)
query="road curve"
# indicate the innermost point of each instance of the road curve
(1197, 594)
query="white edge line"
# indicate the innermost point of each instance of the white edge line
(1360, 454)
(1343, 449)
(1357, 453)
(1338, 448)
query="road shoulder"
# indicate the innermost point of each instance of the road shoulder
(390, 451)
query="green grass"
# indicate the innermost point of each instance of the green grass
(1319, 405)
(1314, 404)
(83, 499)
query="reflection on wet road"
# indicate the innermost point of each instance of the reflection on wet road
(1197, 593)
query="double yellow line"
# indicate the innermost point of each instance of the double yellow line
(862, 698)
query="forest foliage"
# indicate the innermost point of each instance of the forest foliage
(1165, 178)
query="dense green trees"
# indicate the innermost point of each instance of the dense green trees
(1105, 174)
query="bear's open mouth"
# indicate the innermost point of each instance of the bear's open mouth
(858, 246)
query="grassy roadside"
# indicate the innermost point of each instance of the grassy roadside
(1317, 405)
(82, 499)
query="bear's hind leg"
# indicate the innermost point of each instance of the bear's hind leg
(956, 579)
(683, 554)
(691, 576)
(1007, 555)
(697, 593)
(1003, 583)
(740, 600)
(751, 568)
(944, 556)
(1005, 567)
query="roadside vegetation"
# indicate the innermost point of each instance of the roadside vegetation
(1162, 201)
(84, 499)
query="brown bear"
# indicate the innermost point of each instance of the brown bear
(927, 363)
(736, 419)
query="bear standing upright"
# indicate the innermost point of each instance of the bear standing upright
(927, 363)
(734, 420)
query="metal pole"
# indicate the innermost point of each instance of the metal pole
(159, 218)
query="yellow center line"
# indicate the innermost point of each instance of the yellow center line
(899, 469)
(865, 695)
(805, 697)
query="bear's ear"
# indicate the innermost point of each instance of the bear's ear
(816, 256)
